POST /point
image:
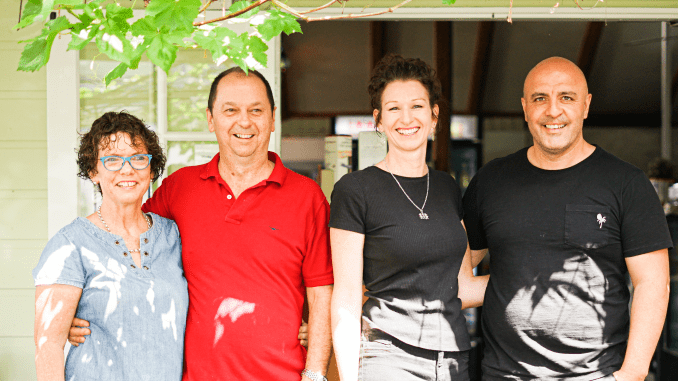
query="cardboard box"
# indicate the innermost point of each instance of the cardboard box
(338, 155)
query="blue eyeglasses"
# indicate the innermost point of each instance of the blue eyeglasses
(115, 163)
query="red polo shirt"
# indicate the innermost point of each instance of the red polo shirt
(247, 261)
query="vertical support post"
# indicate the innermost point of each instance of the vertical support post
(63, 122)
(666, 94)
(162, 104)
(443, 58)
(274, 47)
(161, 110)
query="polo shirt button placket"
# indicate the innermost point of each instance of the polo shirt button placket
(229, 197)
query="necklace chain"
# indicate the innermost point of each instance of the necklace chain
(148, 222)
(422, 215)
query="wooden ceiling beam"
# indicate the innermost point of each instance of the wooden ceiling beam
(589, 46)
(481, 60)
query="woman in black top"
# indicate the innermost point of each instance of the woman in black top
(397, 227)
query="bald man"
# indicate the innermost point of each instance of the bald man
(565, 222)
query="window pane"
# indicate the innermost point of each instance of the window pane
(135, 93)
(182, 154)
(188, 87)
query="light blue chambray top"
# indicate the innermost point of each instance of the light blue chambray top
(137, 315)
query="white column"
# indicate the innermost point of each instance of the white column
(272, 73)
(63, 121)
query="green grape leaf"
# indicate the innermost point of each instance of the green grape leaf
(85, 22)
(136, 58)
(242, 5)
(162, 52)
(35, 11)
(36, 54)
(238, 44)
(449, 2)
(69, 3)
(119, 15)
(77, 43)
(174, 14)
(216, 41)
(258, 49)
(113, 43)
(118, 72)
(78, 4)
(82, 34)
(144, 27)
(93, 10)
(276, 23)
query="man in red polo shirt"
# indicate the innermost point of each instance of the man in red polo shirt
(254, 235)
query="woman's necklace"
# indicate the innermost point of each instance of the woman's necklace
(148, 222)
(422, 215)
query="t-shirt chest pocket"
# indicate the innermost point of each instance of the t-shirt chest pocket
(589, 226)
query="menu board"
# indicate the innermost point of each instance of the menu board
(353, 125)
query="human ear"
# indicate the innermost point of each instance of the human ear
(210, 120)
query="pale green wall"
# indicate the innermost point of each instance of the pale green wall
(23, 197)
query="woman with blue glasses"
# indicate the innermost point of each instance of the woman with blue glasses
(119, 269)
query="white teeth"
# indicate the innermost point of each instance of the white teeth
(242, 136)
(126, 183)
(554, 126)
(408, 131)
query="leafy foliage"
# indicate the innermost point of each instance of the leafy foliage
(167, 26)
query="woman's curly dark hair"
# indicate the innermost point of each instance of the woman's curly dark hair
(394, 67)
(99, 136)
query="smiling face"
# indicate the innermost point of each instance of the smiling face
(128, 185)
(242, 117)
(556, 102)
(406, 116)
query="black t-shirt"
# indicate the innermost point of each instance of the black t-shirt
(410, 265)
(557, 302)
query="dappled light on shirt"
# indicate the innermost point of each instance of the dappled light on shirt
(169, 320)
(108, 277)
(232, 308)
(54, 265)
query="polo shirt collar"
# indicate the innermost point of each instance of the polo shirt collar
(278, 175)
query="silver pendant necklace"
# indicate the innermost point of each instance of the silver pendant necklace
(422, 215)
(148, 222)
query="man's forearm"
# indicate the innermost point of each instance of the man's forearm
(648, 312)
(319, 332)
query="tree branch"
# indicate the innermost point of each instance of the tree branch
(355, 16)
(207, 4)
(322, 7)
(300, 15)
(234, 14)
(292, 11)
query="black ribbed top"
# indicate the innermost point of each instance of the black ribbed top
(410, 265)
